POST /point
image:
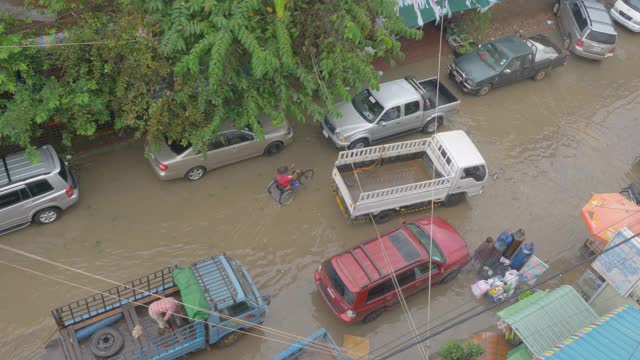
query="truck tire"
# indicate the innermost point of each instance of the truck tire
(454, 199)
(229, 339)
(383, 216)
(484, 90)
(539, 75)
(556, 8)
(106, 342)
(359, 144)
(430, 126)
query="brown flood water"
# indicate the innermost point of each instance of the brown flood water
(549, 145)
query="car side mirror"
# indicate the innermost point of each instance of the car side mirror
(382, 123)
(266, 300)
(507, 71)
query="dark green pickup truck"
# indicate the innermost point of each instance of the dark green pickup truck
(504, 61)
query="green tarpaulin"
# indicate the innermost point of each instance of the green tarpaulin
(192, 294)
(419, 12)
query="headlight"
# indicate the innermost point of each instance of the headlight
(340, 136)
(351, 314)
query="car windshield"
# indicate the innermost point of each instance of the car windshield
(367, 106)
(634, 4)
(602, 38)
(176, 147)
(425, 239)
(338, 284)
(491, 55)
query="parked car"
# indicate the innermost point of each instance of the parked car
(586, 28)
(230, 145)
(399, 107)
(408, 176)
(102, 325)
(627, 13)
(505, 61)
(357, 286)
(35, 192)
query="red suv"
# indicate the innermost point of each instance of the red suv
(357, 284)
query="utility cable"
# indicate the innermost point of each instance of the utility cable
(394, 279)
(410, 343)
(327, 350)
(223, 316)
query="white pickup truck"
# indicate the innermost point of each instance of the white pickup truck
(388, 179)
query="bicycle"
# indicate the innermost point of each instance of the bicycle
(285, 196)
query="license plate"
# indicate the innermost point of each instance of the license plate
(324, 132)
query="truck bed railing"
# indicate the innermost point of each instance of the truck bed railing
(171, 346)
(113, 298)
(404, 190)
(373, 153)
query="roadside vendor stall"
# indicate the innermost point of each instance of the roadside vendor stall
(604, 215)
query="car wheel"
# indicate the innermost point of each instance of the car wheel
(359, 144)
(195, 173)
(430, 126)
(484, 90)
(383, 216)
(229, 339)
(556, 8)
(47, 216)
(454, 199)
(106, 342)
(372, 316)
(539, 75)
(450, 276)
(273, 148)
(286, 197)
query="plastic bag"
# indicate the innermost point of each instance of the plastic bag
(511, 279)
(480, 288)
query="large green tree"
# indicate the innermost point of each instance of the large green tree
(199, 63)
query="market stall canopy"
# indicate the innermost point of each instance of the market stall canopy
(549, 319)
(615, 335)
(606, 214)
(419, 12)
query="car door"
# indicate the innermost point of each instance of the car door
(510, 73)
(14, 207)
(380, 296)
(217, 155)
(389, 123)
(471, 180)
(241, 145)
(528, 67)
(422, 273)
(413, 116)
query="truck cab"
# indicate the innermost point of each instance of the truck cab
(504, 61)
(217, 297)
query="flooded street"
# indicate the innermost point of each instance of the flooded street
(548, 145)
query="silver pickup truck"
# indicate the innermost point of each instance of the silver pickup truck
(399, 107)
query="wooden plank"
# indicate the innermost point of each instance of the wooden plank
(70, 344)
(129, 311)
(110, 313)
(136, 321)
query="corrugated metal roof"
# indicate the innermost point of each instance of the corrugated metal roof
(616, 335)
(220, 289)
(547, 321)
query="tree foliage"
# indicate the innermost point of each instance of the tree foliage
(201, 63)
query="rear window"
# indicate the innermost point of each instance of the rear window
(63, 171)
(337, 283)
(602, 38)
(39, 187)
(176, 147)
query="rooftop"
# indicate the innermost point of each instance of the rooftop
(616, 335)
(513, 45)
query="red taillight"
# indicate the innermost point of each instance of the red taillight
(613, 50)
(580, 43)
(249, 317)
(69, 191)
(163, 167)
